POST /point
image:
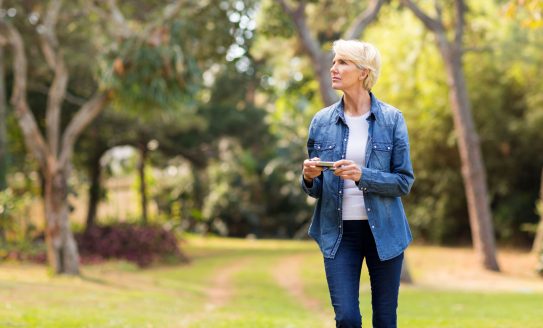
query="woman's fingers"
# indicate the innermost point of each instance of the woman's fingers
(310, 170)
(347, 169)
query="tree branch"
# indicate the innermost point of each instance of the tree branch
(49, 41)
(122, 29)
(297, 15)
(80, 121)
(70, 98)
(459, 27)
(32, 136)
(439, 10)
(430, 23)
(363, 20)
(55, 60)
(320, 60)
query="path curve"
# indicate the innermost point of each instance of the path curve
(220, 290)
(288, 274)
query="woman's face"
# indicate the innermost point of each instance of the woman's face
(345, 74)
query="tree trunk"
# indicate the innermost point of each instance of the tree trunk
(405, 276)
(538, 240)
(94, 190)
(321, 66)
(473, 170)
(143, 185)
(62, 251)
(3, 134)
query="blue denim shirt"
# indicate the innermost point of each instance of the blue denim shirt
(386, 177)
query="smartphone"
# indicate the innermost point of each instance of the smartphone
(329, 165)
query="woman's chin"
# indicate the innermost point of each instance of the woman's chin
(336, 86)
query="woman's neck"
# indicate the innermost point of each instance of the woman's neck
(356, 103)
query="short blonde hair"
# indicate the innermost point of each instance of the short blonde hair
(364, 55)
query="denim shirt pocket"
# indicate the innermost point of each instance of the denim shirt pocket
(381, 153)
(324, 150)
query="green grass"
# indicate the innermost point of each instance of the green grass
(117, 294)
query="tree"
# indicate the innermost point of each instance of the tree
(538, 240)
(473, 170)
(53, 149)
(52, 153)
(3, 116)
(320, 59)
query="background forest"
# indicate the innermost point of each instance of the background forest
(201, 112)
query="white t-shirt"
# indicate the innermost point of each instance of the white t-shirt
(353, 198)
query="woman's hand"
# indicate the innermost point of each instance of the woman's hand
(347, 169)
(310, 170)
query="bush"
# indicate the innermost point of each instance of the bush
(25, 251)
(143, 245)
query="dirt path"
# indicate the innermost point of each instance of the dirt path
(288, 274)
(220, 289)
(459, 269)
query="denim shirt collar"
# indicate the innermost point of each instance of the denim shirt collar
(339, 110)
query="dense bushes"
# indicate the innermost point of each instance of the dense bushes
(143, 245)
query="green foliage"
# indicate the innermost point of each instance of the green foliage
(272, 21)
(239, 100)
(145, 76)
(15, 224)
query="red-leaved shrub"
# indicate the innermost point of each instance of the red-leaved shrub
(140, 244)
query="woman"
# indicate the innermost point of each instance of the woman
(359, 214)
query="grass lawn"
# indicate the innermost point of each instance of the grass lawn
(247, 283)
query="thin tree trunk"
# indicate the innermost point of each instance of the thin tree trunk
(473, 170)
(405, 276)
(538, 240)
(198, 194)
(94, 190)
(3, 134)
(143, 185)
(62, 251)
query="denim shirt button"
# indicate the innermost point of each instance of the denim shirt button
(373, 227)
(369, 209)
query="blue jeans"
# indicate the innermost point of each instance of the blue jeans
(343, 276)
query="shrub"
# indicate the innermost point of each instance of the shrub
(143, 245)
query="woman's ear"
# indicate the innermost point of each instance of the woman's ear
(363, 74)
